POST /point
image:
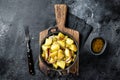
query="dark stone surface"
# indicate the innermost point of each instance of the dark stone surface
(102, 15)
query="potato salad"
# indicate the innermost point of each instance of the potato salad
(59, 50)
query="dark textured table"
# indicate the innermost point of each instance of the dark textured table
(102, 15)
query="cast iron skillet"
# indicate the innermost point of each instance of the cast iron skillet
(55, 32)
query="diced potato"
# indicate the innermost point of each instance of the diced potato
(61, 64)
(62, 43)
(69, 41)
(65, 37)
(67, 64)
(68, 60)
(67, 52)
(60, 54)
(48, 41)
(51, 60)
(64, 58)
(55, 58)
(72, 53)
(53, 54)
(48, 59)
(55, 65)
(67, 45)
(60, 35)
(54, 39)
(46, 55)
(74, 57)
(43, 54)
(73, 47)
(45, 47)
(54, 43)
(55, 46)
(60, 51)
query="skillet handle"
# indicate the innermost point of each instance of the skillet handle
(60, 73)
(52, 29)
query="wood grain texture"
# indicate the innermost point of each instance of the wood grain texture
(60, 13)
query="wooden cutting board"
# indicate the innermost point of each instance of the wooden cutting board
(60, 13)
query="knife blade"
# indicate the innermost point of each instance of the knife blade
(29, 51)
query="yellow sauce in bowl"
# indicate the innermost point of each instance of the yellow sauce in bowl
(97, 45)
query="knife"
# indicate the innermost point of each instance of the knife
(29, 52)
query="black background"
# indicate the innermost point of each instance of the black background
(102, 15)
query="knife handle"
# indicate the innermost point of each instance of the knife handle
(30, 62)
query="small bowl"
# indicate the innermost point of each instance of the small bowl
(103, 48)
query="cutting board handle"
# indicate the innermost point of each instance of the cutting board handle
(60, 13)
